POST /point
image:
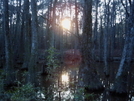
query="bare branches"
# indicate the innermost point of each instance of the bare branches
(125, 7)
(129, 2)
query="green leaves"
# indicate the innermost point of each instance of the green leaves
(24, 93)
(52, 62)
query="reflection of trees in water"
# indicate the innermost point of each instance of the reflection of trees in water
(70, 90)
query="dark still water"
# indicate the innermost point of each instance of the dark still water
(64, 86)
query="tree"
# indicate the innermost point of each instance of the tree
(105, 39)
(88, 77)
(120, 85)
(34, 46)
(8, 46)
(26, 34)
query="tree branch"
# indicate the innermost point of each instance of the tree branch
(129, 2)
(125, 8)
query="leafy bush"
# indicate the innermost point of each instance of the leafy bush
(24, 93)
(52, 62)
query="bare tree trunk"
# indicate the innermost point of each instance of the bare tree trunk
(34, 53)
(18, 31)
(88, 77)
(8, 47)
(106, 68)
(26, 33)
(95, 32)
(101, 41)
(113, 30)
(53, 25)
(48, 26)
(120, 85)
(76, 25)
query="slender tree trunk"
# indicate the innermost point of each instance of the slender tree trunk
(101, 41)
(53, 25)
(48, 42)
(8, 47)
(113, 30)
(95, 32)
(26, 33)
(106, 68)
(76, 25)
(34, 53)
(18, 31)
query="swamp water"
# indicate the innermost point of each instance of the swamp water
(64, 86)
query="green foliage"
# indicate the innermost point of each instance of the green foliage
(80, 95)
(1, 81)
(52, 62)
(2, 93)
(21, 92)
(24, 93)
(89, 96)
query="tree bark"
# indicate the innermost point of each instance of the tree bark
(26, 33)
(88, 77)
(8, 47)
(34, 53)
(120, 85)
(53, 25)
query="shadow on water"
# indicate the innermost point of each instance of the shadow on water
(65, 85)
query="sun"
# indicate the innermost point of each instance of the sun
(66, 23)
(65, 77)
